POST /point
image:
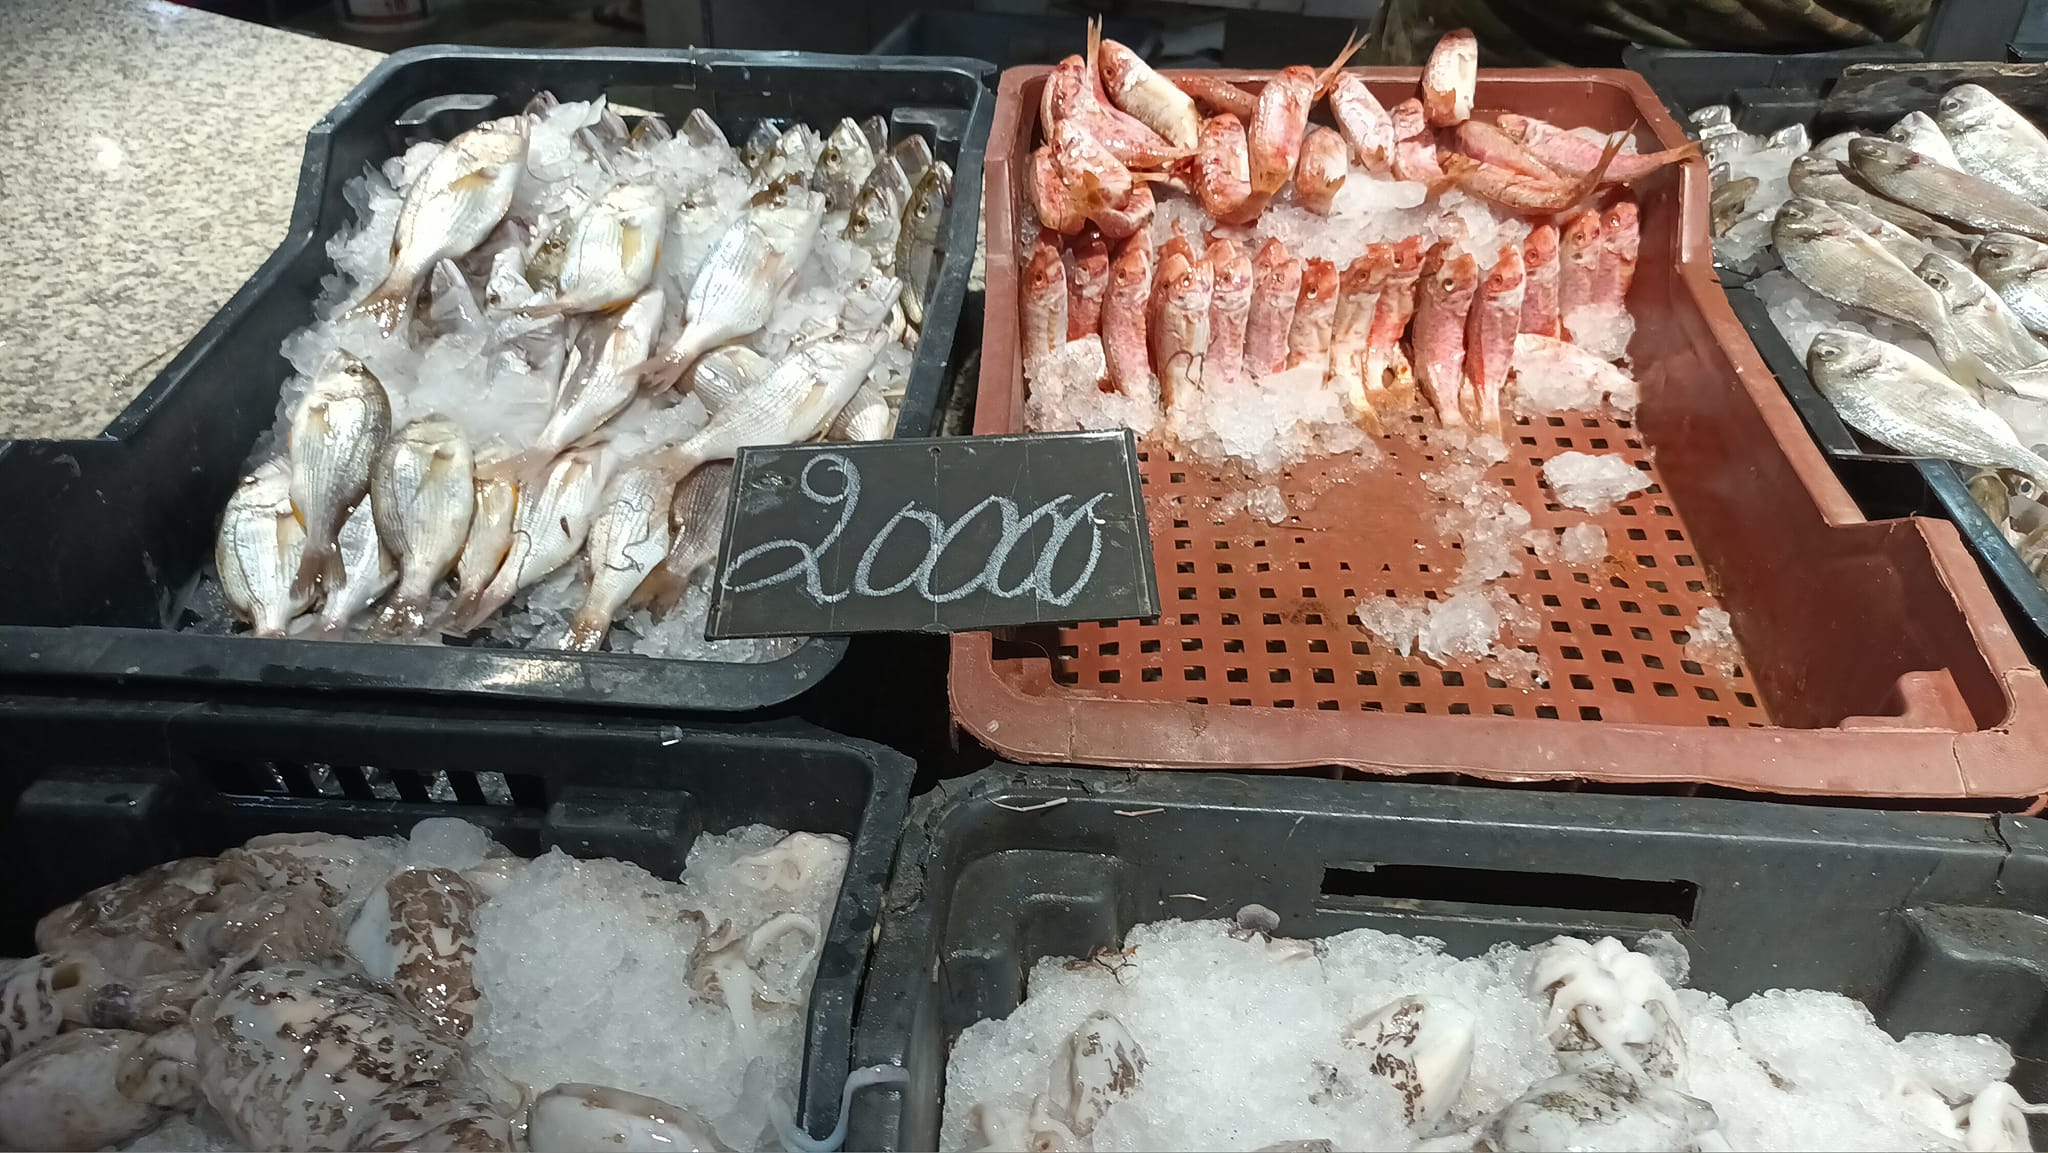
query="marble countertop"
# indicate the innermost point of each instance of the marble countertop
(149, 154)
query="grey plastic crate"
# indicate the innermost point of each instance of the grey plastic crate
(1933, 922)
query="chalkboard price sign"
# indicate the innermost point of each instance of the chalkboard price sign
(936, 535)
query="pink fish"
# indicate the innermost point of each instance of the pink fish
(1490, 330)
(1487, 143)
(1087, 280)
(1180, 330)
(1124, 220)
(1449, 77)
(1123, 321)
(1620, 237)
(1315, 313)
(1351, 333)
(1044, 309)
(1443, 298)
(1276, 284)
(1539, 295)
(1230, 305)
(1578, 261)
(1321, 170)
(1389, 380)
(1049, 196)
(1366, 126)
(1276, 128)
(1574, 155)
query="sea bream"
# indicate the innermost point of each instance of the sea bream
(628, 537)
(449, 209)
(1901, 401)
(336, 431)
(735, 291)
(2017, 268)
(423, 492)
(918, 240)
(1900, 174)
(1992, 142)
(550, 522)
(611, 251)
(258, 551)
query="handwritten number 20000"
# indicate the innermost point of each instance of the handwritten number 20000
(1038, 583)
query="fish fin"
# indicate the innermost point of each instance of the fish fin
(1094, 52)
(473, 181)
(1328, 76)
(1590, 182)
(312, 574)
(585, 634)
(390, 305)
(448, 623)
(659, 592)
(630, 240)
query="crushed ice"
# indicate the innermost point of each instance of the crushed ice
(1202, 1035)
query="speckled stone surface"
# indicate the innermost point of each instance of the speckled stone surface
(148, 158)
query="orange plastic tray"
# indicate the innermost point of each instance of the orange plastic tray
(1874, 662)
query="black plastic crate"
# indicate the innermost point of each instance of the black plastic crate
(1792, 90)
(123, 523)
(92, 791)
(1933, 922)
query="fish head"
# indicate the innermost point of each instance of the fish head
(1233, 279)
(928, 199)
(1045, 271)
(1408, 256)
(1132, 271)
(1956, 283)
(2006, 254)
(1191, 287)
(1582, 232)
(347, 367)
(1319, 280)
(1622, 218)
(701, 130)
(1967, 106)
(1438, 256)
(1837, 353)
(1876, 154)
(1507, 273)
(1460, 275)
(1803, 218)
(1541, 247)
(1220, 251)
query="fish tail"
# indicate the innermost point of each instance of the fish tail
(586, 633)
(1328, 76)
(312, 574)
(390, 305)
(448, 623)
(659, 592)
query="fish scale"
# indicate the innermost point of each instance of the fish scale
(1899, 400)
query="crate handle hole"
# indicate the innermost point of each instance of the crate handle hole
(1412, 888)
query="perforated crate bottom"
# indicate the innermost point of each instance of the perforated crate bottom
(1260, 614)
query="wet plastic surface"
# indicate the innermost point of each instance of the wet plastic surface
(160, 782)
(1935, 923)
(1795, 95)
(125, 522)
(1875, 662)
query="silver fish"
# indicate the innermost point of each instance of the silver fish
(336, 431)
(843, 165)
(424, 496)
(697, 524)
(452, 303)
(463, 194)
(894, 186)
(874, 223)
(1919, 132)
(701, 131)
(601, 376)
(2017, 269)
(1906, 247)
(1897, 399)
(1989, 490)
(362, 572)
(1994, 143)
(1822, 178)
(865, 417)
(1981, 322)
(699, 220)
(1898, 173)
(490, 531)
(627, 539)
(794, 402)
(549, 525)
(735, 292)
(649, 131)
(790, 162)
(611, 252)
(258, 551)
(759, 142)
(913, 154)
(876, 129)
(549, 253)
(1838, 260)
(871, 302)
(917, 243)
(1729, 201)
(723, 375)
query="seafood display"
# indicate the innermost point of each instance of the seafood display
(537, 337)
(1906, 271)
(1340, 270)
(313, 991)
(1225, 1035)
(1305, 270)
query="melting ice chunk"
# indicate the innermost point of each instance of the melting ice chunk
(1592, 483)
